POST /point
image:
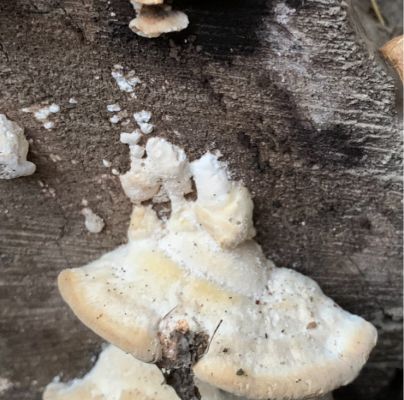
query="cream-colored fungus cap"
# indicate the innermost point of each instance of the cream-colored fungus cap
(119, 376)
(270, 332)
(155, 18)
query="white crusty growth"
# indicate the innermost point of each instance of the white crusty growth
(42, 113)
(272, 331)
(126, 82)
(155, 18)
(223, 207)
(93, 222)
(13, 150)
(142, 118)
(162, 174)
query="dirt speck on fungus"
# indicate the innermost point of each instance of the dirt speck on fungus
(181, 349)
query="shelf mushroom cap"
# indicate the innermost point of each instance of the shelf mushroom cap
(119, 376)
(155, 18)
(272, 331)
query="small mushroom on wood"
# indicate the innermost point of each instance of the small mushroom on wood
(185, 288)
(155, 18)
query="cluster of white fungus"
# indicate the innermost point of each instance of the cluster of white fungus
(263, 332)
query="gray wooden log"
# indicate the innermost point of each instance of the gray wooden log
(291, 95)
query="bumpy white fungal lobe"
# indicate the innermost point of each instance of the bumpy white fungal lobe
(119, 376)
(272, 332)
(13, 150)
(155, 18)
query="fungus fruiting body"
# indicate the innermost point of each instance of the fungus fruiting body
(264, 332)
(13, 150)
(119, 376)
(155, 18)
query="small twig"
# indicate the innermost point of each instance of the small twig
(214, 333)
(378, 13)
(167, 314)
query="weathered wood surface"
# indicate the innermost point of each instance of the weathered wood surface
(297, 104)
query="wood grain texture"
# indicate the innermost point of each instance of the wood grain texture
(298, 105)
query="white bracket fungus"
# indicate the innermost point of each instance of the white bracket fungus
(118, 376)
(259, 331)
(155, 18)
(13, 150)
